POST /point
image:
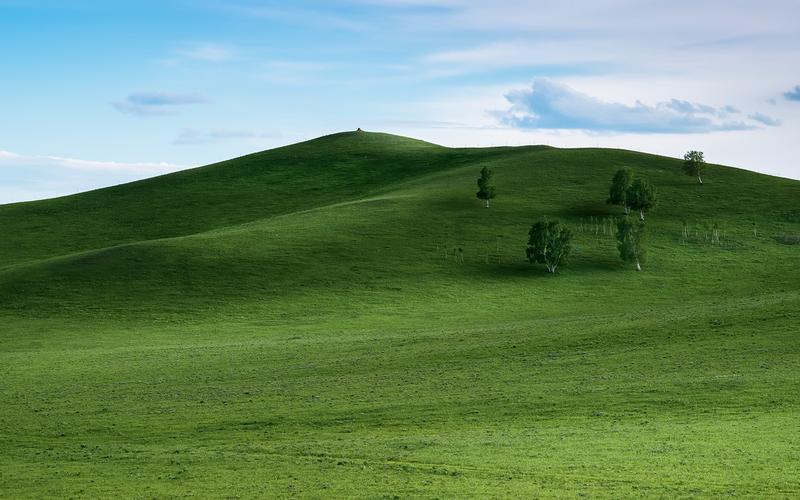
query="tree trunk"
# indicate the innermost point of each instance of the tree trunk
(641, 214)
(638, 266)
(487, 202)
(627, 209)
(699, 179)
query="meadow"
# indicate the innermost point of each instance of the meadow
(301, 322)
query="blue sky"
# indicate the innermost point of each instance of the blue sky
(94, 93)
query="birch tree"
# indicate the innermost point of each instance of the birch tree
(631, 241)
(641, 196)
(694, 164)
(549, 243)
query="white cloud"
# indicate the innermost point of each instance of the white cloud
(9, 159)
(551, 105)
(5, 155)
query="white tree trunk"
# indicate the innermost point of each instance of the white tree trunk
(638, 266)
(699, 179)
(487, 202)
(641, 214)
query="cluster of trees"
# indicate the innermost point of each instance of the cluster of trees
(631, 194)
(550, 242)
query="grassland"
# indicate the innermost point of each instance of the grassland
(294, 323)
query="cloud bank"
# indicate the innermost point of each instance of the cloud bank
(794, 94)
(551, 105)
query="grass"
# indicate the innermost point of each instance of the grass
(286, 324)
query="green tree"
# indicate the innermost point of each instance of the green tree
(549, 243)
(631, 241)
(486, 189)
(619, 186)
(694, 164)
(641, 196)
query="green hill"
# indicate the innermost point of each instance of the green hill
(296, 323)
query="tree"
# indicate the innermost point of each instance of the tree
(549, 243)
(619, 185)
(631, 241)
(486, 185)
(641, 196)
(694, 164)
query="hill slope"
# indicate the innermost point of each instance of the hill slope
(301, 311)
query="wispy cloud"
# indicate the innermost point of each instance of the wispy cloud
(764, 119)
(157, 103)
(551, 105)
(542, 56)
(321, 16)
(8, 158)
(212, 52)
(193, 136)
(794, 94)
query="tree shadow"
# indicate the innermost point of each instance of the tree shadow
(590, 209)
(523, 269)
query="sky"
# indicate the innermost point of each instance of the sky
(96, 93)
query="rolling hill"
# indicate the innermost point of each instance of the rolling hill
(295, 322)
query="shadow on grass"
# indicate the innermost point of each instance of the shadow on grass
(593, 209)
(524, 270)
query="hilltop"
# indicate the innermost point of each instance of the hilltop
(293, 321)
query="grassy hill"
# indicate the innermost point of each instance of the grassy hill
(294, 323)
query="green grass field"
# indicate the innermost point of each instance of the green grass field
(295, 323)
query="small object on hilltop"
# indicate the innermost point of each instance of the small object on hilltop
(486, 189)
(359, 130)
